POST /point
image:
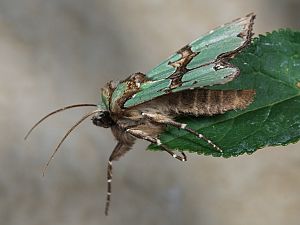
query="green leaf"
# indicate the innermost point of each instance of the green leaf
(271, 66)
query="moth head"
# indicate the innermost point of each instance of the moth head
(103, 119)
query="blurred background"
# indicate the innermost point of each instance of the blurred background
(60, 52)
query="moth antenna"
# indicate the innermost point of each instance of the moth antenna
(54, 112)
(66, 135)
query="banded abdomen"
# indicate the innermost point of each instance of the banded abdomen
(209, 102)
(201, 102)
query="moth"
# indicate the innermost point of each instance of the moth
(142, 105)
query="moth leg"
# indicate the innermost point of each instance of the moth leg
(118, 151)
(142, 135)
(165, 120)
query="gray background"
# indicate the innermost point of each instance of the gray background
(59, 52)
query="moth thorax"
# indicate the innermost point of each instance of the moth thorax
(103, 119)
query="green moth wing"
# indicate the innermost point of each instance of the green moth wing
(200, 64)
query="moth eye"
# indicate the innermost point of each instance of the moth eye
(103, 119)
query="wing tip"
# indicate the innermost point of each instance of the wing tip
(246, 34)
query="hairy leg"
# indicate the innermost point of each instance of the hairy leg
(165, 120)
(142, 135)
(118, 151)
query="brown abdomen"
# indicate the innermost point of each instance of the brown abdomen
(208, 102)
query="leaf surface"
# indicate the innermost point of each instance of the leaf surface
(271, 66)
